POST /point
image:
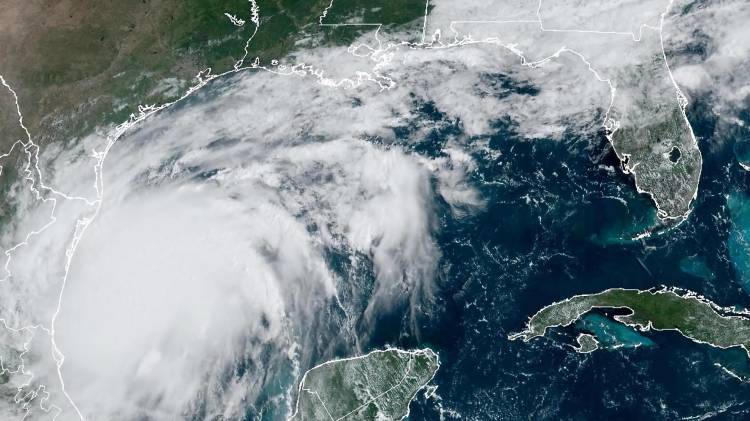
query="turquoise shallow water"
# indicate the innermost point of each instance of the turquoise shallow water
(503, 264)
(738, 243)
(622, 220)
(559, 220)
(612, 334)
(697, 266)
(742, 151)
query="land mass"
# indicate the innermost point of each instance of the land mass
(375, 386)
(694, 317)
(79, 65)
(586, 343)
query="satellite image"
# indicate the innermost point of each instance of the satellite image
(303, 210)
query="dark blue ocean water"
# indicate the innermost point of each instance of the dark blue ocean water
(558, 222)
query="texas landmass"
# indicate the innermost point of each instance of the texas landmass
(376, 386)
(82, 68)
(693, 316)
(84, 64)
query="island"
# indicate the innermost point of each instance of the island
(693, 316)
(379, 385)
(586, 343)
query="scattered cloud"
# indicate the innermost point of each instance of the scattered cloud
(208, 266)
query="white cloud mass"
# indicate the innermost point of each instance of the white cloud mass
(207, 276)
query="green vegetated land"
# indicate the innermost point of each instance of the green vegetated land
(587, 343)
(695, 318)
(379, 385)
(11, 161)
(83, 64)
(671, 179)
